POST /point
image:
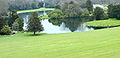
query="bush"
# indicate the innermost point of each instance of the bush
(15, 26)
(6, 30)
(20, 23)
(56, 14)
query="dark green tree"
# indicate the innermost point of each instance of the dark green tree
(89, 5)
(114, 11)
(99, 13)
(34, 24)
(12, 17)
(20, 23)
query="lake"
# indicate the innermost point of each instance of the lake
(52, 26)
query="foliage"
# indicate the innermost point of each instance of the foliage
(104, 23)
(15, 26)
(85, 13)
(114, 11)
(34, 23)
(6, 30)
(89, 6)
(24, 4)
(20, 23)
(99, 13)
(56, 14)
(12, 17)
(71, 9)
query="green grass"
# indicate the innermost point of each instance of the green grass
(34, 10)
(104, 23)
(103, 43)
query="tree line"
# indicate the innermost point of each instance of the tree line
(73, 9)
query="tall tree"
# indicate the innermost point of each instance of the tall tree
(34, 24)
(89, 5)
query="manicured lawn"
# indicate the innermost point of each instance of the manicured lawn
(103, 43)
(104, 23)
(34, 10)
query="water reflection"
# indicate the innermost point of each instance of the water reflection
(71, 24)
(59, 25)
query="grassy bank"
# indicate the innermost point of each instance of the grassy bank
(34, 10)
(103, 43)
(104, 23)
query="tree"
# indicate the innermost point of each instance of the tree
(114, 11)
(99, 13)
(6, 30)
(71, 9)
(15, 26)
(12, 17)
(34, 24)
(20, 23)
(89, 6)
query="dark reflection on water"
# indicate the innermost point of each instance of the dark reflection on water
(59, 25)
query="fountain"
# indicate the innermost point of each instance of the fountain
(44, 12)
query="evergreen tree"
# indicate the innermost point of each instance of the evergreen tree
(89, 6)
(34, 24)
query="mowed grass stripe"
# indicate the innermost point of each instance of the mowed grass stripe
(73, 45)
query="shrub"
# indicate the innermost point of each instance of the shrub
(6, 30)
(56, 14)
(15, 26)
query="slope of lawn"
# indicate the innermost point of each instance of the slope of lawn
(104, 23)
(104, 43)
(34, 10)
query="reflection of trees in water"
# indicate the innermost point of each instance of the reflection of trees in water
(71, 23)
(56, 22)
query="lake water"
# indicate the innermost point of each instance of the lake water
(52, 26)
